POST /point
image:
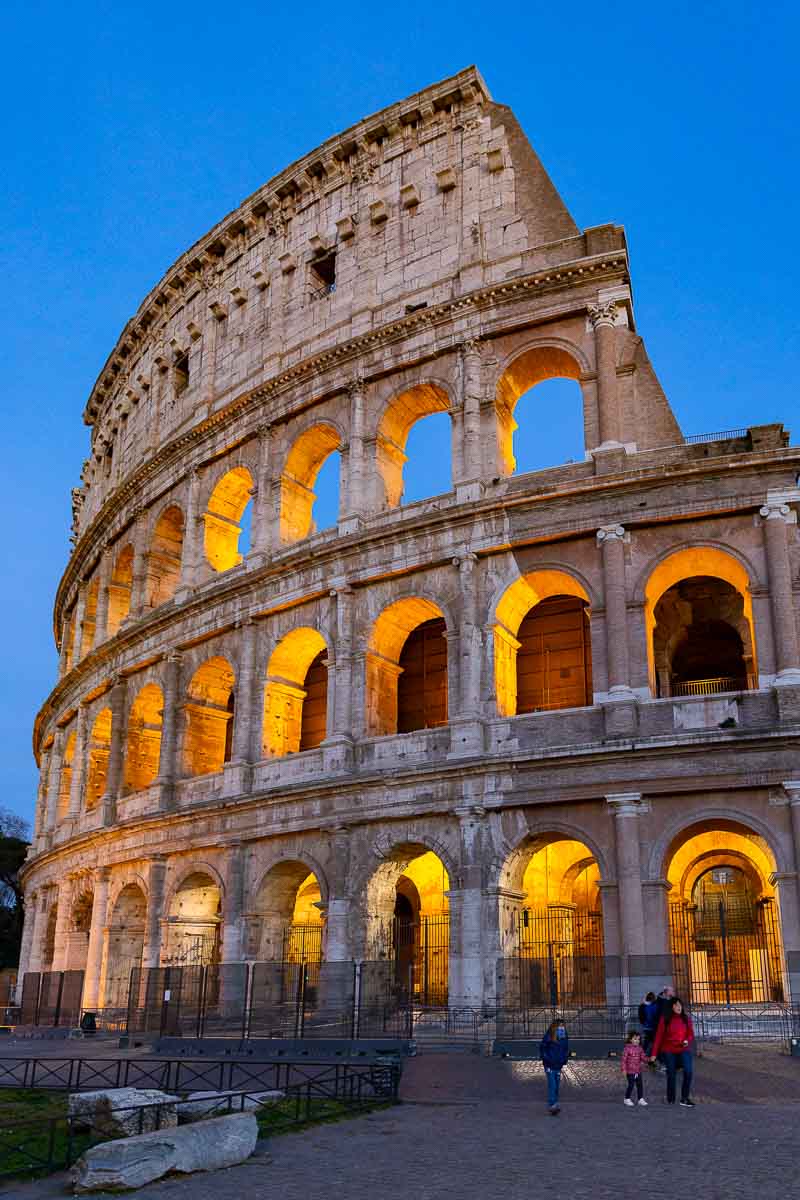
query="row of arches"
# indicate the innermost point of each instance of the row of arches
(722, 916)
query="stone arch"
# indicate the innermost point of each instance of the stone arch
(517, 602)
(288, 911)
(120, 588)
(388, 638)
(403, 411)
(527, 366)
(724, 817)
(304, 460)
(194, 916)
(222, 518)
(125, 941)
(679, 567)
(164, 559)
(208, 718)
(98, 753)
(143, 749)
(65, 775)
(509, 862)
(295, 703)
(90, 617)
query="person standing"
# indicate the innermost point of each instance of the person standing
(633, 1060)
(675, 1041)
(648, 1020)
(554, 1051)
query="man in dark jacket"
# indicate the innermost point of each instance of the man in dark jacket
(554, 1052)
(648, 1020)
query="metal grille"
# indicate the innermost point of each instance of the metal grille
(302, 944)
(728, 952)
(560, 956)
(420, 951)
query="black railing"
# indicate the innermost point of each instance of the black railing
(310, 1094)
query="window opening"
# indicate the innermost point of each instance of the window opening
(549, 426)
(427, 471)
(323, 275)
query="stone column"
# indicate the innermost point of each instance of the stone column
(78, 761)
(466, 900)
(54, 780)
(244, 719)
(157, 874)
(101, 617)
(356, 468)
(263, 532)
(626, 807)
(337, 941)
(192, 538)
(67, 636)
(233, 904)
(31, 908)
(40, 819)
(79, 613)
(63, 910)
(466, 725)
(611, 541)
(116, 751)
(338, 745)
(97, 933)
(603, 319)
(168, 755)
(40, 918)
(469, 487)
(139, 571)
(776, 516)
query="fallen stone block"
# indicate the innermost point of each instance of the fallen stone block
(204, 1104)
(129, 1163)
(116, 1110)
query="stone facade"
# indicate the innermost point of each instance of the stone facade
(420, 262)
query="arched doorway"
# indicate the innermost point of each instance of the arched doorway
(80, 924)
(545, 442)
(296, 694)
(724, 921)
(554, 932)
(194, 922)
(288, 925)
(408, 925)
(125, 945)
(406, 669)
(208, 713)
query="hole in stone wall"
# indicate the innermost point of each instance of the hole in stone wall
(427, 471)
(549, 420)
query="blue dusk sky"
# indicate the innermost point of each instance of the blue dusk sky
(130, 129)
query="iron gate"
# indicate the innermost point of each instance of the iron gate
(560, 956)
(728, 952)
(420, 950)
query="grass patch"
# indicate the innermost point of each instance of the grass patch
(295, 1114)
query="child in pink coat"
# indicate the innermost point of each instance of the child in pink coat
(633, 1060)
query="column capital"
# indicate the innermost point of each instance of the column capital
(625, 804)
(792, 789)
(782, 877)
(472, 345)
(465, 562)
(102, 874)
(356, 385)
(611, 533)
(777, 510)
(173, 656)
(603, 313)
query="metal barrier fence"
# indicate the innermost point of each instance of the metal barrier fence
(311, 1093)
(51, 998)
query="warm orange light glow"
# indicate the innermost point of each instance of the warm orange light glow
(303, 464)
(119, 589)
(516, 602)
(144, 738)
(429, 876)
(403, 412)
(285, 692)
(207, 715)
(305, 910)
(719, 847)
(97, 760)
(389, 634)
(65, 778)
(89, 617)
(562, 872)
(222, 518)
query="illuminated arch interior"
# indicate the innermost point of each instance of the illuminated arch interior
(520, 599)
(289, 917)
(120, 588)
(97, 759)
(144, 738)
(89, 617)
(224, 517)
(164, 560)
(532, 367)
(65, 777)
(209, 718)
(390, 635)
(403, 412)
(303, 465)
(195, 918)
(295, 696)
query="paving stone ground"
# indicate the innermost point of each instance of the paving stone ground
(477, 1127)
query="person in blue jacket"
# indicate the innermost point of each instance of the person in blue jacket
(554, 1051)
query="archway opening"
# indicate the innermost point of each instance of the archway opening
(144, 738)
(208, 715)
(80, 924)
(65, 777)
(97, 759)
(224, 517)
(406, 669)
(289, 916)
(549, 423)
(695, 587)
(194, 922)
(120, 589)
(554, 932)
(724, 920)
(296, 694)
(701, 639)
(164, 559)
(49, 945)
(428, 450)
(125, 944)
(408, 924)
(316, 447)
(89, 617)
(403, 412)
(542, 645)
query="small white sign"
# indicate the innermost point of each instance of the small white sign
(167, 995)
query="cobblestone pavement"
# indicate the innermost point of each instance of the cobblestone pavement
(478, 1128)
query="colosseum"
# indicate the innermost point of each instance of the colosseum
(530, 741)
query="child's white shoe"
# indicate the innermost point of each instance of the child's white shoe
(629, 1103)
(643, 1102)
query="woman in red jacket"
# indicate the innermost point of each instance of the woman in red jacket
(675, 1040)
